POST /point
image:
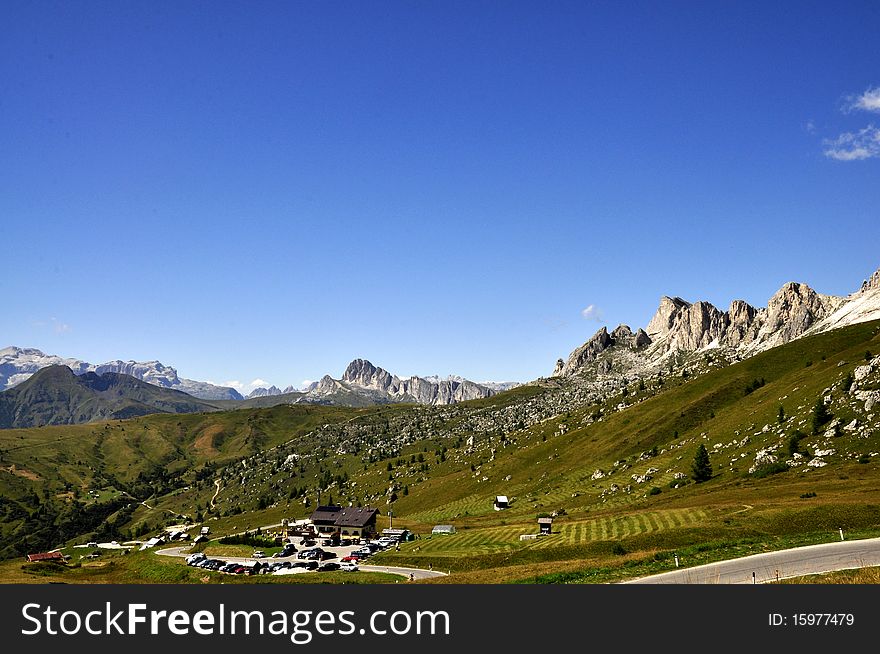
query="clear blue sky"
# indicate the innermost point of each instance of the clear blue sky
(267, 190)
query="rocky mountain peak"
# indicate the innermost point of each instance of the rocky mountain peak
(363, 373)
(599, 343)
(872, 283)
(364, 379)
(266, 392)
(667, 313)
(792, 310)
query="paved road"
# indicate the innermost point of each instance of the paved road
(812, 559)
(417, 573)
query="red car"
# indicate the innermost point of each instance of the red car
(351, 558)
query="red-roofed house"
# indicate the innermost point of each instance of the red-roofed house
(45, 556)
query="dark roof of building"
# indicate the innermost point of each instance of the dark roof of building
(356, 516)
(46, 556)
(347, 516)
(326, 514)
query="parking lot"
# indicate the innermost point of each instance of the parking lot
(308, 556)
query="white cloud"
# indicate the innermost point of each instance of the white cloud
(592, 312)
(867, 101)
(237, 385)
(854, 146)
(57, 326)
(259, 383)
(306, 382)
(810, 127)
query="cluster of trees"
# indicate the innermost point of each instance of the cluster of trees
(46, 523)
(754, 385)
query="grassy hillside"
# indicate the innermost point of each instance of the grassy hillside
(613, 468)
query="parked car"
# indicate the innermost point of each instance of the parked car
(351, 558)
(348, 566)
(326, 567)
(258, 554)
(311, 565)
(307, 542)
(192, 559)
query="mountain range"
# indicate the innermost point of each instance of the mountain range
(678, 326)
(17, 364)
(362, 383)
(72, 391)
(374, 385)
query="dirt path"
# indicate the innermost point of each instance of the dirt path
(216, 492)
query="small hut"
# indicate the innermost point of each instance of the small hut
(545, 525)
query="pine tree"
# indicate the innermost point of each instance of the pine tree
(821, 415)
(702, 467)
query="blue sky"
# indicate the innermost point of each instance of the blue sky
(268, 190)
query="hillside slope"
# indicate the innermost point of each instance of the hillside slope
(56, 396)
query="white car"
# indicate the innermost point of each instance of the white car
(349, 567)
(258, 555)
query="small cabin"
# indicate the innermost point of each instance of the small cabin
(545, 525)
(501, 502)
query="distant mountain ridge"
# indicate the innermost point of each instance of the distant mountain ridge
(795, 310)
(270, 392)
(55, 395)
(364, 383)
(18, 364)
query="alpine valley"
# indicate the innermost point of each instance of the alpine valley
(784, 399)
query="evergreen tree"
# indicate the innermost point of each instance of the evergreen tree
(702, 467)
(821, 415)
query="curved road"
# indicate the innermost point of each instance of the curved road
(417, 573)
(770, 566)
